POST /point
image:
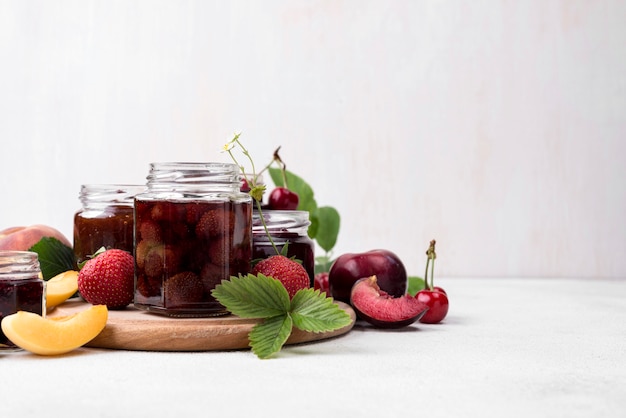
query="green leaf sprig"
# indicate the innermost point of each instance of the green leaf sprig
(262, 297)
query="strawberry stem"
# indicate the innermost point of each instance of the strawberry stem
(267, 232)
(256, 192)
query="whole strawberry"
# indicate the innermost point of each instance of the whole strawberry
(108, 279)
(289, 272)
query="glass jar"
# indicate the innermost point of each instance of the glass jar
(193, 229)
(105, 219)
(285, 227)
(21, 288)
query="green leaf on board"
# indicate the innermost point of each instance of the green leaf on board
(266, 298)
(269, 336)
(253, 296)
(314, 312)
(54, 257)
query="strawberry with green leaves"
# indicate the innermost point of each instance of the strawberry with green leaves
(266, 298)
(108, 279)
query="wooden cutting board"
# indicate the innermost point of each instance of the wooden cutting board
(133, 329)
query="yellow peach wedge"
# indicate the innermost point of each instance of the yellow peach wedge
(53, 336)
(61, 287)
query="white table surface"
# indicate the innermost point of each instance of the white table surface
(508, 348)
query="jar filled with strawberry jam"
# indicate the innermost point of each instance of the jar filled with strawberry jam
(193, 229)
(286, 227)
(21, 288)
(105, 218)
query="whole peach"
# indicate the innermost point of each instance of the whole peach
(22, 238)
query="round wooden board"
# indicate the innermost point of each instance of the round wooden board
(133, 329)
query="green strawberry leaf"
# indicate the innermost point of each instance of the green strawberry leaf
(269, 336)
(264, 297)
(314, 312)
(253, 296)
(415, 285)
(328, 227)
(296, 184)
(54, 257)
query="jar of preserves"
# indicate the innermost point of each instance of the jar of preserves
(193, 229)
(21, 288)
(286, 227)
(105, 218)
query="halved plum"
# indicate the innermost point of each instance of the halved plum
(382, 310)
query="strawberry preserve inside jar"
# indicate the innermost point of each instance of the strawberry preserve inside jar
(193, 229)
(21, 288)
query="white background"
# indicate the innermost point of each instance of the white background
(496, 127)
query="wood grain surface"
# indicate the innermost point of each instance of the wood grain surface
(133, 329)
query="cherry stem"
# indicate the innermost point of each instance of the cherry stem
(426, 287)
(431, 255)
(283, 167)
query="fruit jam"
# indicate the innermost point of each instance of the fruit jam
(286, 227)
(186, 244)
(21, 289)
(105, 220)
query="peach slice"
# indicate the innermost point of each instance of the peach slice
(61, 287)
(53, 336)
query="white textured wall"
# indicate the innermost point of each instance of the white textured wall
(496, 127)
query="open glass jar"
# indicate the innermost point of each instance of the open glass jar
(193, 229)
(105, 218)
(286, 227)
(21, 288)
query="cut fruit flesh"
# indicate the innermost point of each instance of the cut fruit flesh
(53, 336)
(382, 310)
(61, 287)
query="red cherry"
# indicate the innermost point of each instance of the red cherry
(321, 282)
(437, 303)
(245, 187)
(439, 289)
(283, 199)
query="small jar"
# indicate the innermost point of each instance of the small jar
(21, 288)
(285, 227)
(193, 229)
(105, 219)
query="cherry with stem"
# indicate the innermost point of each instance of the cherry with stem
(433, 296)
